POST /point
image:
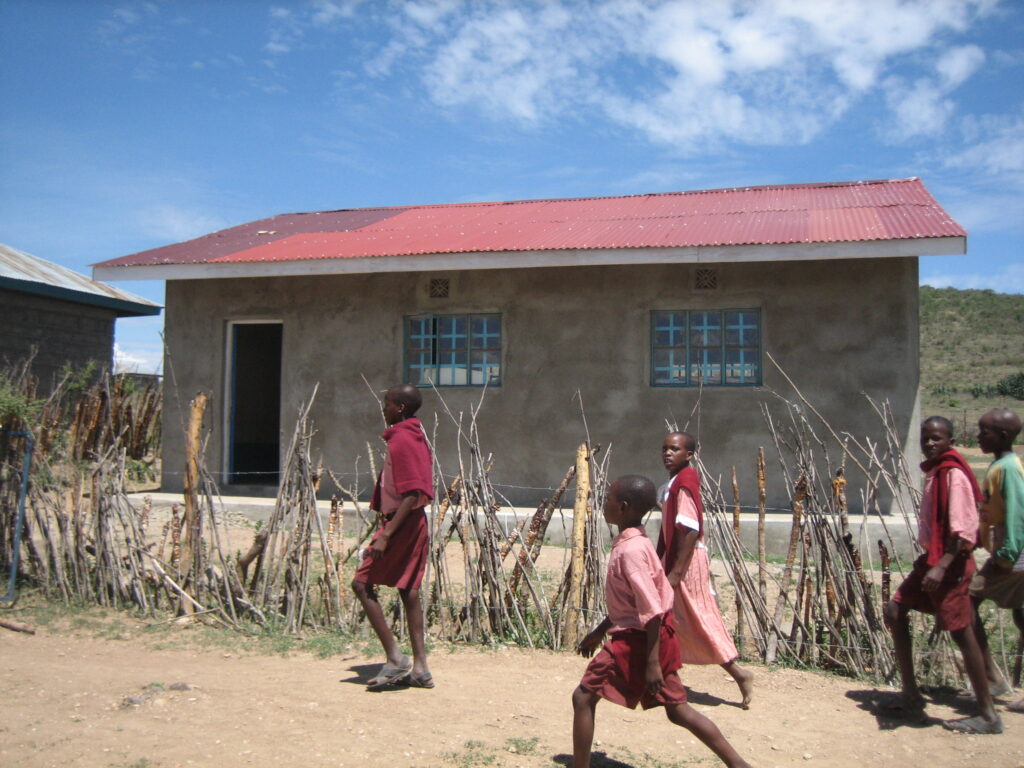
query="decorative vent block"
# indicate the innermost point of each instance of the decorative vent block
(439, 287)
(705, 280)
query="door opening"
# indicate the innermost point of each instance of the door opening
(254, 394)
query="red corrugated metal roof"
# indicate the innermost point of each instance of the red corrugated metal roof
(806, 213)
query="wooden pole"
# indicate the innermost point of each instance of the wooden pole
(579, 532)
(190, 532)
(736, 530)
(799, 495)
(762, 502)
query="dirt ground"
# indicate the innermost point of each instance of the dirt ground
(74, 698)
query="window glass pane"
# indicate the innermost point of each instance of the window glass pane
(485, 368)
(705, 329)
(742, 329)
(451, 333)
(486, 332)
(451, 368)
(669, 366)
(742, 366)
(705, 366)
(669, 329)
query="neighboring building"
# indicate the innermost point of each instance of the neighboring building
(59, 316)
(632, 302)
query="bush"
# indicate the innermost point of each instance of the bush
(1012, 386)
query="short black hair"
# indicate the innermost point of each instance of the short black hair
(638, 492)
(409, 396)
(691, 444)
(942, 421)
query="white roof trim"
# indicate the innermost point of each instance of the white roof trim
(436, 262)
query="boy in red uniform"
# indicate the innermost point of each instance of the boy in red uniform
(397, 555)
(639, 663)
(947, 529)
(702, 634)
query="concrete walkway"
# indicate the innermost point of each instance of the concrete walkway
(777, 525)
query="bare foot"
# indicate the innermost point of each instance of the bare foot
(746, 683)
(1017, 706)
(744, 679)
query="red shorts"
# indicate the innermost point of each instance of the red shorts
(619, 671)
(951, 602)
(405, 559)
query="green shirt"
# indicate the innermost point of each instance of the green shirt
(1002, 512)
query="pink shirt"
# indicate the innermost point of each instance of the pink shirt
(963, 513)
(636, 588)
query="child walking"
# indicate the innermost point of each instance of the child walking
(703, 637)
(397, 555)
(1001, 578)
(639, 663)
(947, 529)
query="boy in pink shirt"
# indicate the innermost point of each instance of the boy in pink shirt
(940, 580)
(397, 555)
(639, 663)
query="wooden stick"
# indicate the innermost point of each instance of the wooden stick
(15, 627)
(579, 529)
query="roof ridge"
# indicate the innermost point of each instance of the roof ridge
(674, 193)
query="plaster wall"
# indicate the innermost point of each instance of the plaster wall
(838, 328)
(60, 331)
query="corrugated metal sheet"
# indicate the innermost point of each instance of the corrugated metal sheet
(25, 272)
(807, 213)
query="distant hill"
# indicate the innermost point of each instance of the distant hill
(970, 340)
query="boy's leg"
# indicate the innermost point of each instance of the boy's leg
(705, 730)
(375, 615)
(996, 683)
(898, 621)
(417, 633)
(583, 705)
(968, 644)
(744, 679)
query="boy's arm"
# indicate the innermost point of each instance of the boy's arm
(687, 545)
(655, 680)
(932, 579)
(593, 638)
(962, 513)
(408, 504)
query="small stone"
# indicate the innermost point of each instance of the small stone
(180, 687)
(808, 755)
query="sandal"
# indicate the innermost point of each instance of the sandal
(423, 681)
(976, 724)
(389, 674)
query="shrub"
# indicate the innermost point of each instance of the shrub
(1012, 386)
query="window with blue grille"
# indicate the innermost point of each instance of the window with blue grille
(711, 348)
(453, 350)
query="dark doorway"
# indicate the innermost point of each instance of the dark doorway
(254, 448)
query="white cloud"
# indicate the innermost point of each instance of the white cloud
(170, 222)
(958, 64)
(687, 73)
(1008, 280)
(995, 145)
(137, 359)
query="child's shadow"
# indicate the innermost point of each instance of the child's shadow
(597, 760)
(363, 673)
(872, 701)
(706, 699)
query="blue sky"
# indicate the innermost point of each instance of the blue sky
(129, 125)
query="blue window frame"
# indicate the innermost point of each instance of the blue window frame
(713, 348)
(453, 350)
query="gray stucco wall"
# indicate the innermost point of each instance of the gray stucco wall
(61, 331)
(838, 328)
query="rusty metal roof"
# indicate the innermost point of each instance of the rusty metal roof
(839, 212)
(25, 273)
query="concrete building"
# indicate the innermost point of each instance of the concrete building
(58, 315)
(631, 306)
